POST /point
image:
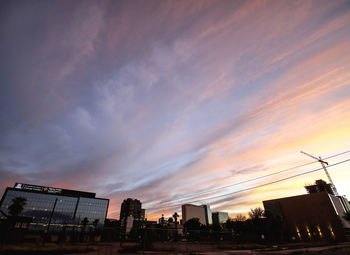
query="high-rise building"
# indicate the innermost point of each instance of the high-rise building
(219, 218)
(54, 208)
(130, 211)
(202, 212)
(208, 215)
(132, 207)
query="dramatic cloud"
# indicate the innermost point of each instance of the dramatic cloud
(174, 102)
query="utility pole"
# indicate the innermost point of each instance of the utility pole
(324, 163)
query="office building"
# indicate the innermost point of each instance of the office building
(219, 218)
(54, 208)
(208, 215)
(316, 216)
(130, 212)
(132, 207)
(202, 212)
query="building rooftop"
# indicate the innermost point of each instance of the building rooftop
(52, 190)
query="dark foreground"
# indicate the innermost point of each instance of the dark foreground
(175, 249)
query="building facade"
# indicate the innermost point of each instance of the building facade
(131, 207)
(219, 218)
(208, 215)
(51, 209)
(130, 211)
(316, 216)
(202, 212)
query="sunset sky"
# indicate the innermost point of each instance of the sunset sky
(172, 102)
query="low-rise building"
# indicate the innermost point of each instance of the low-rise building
(51, 209)
(315, 216)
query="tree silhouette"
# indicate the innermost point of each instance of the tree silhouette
(238, 225)
(95, 223)
(256, 213)
(256, 224)
(17, 206)
(239, 217)
(175, 215)
(192, 224)
(192, 228)
(85, 221)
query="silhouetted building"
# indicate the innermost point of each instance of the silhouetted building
(129, 223)
(345, 203)
(130, 211)
(202, 212)
(3, 216)
(219, 218)
(59, 207)
(320, 186)
(143, 214)
(208, 216)
(132, 207)
(315, 216)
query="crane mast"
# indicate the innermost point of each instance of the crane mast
(323, 164)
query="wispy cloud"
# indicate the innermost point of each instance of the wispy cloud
(172, 102)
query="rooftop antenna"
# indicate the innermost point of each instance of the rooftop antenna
(324, 163)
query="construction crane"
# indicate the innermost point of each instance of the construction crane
(324, 163)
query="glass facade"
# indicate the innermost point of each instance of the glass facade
(66, 211)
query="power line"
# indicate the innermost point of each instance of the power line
(254, 179)
(261, 185)
(273, 182)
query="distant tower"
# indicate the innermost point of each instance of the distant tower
(131, 207)
(219, 218)
(130, 211)
(208, 215)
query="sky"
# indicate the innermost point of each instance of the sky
(175, 102)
